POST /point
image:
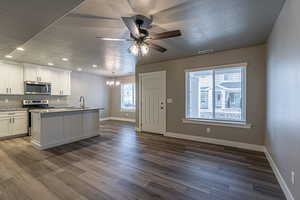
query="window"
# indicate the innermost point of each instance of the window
(128, 97)
(216, 94)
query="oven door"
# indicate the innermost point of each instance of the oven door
(37, 88)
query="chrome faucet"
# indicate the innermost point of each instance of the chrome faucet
(82, 102)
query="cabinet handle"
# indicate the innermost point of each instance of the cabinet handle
(10, 90)
(6, 90)
(10, 120)
(13, 120)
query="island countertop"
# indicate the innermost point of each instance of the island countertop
(58, 110)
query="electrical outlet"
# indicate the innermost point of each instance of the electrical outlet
(293, 177)
(126, 114)
(169, 100)
(6, 100)
(208, 130)
(58, 100)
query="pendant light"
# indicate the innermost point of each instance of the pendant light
(113, 82)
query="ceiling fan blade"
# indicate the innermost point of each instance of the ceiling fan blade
(86, 16)
(132, 27)
(165, 35)
(113, 39)
(157, 47)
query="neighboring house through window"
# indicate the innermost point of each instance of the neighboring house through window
(216, 93)
(128, 97)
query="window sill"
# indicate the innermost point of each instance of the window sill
(129, 110)
(217, 123)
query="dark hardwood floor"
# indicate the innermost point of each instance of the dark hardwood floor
(122, 164)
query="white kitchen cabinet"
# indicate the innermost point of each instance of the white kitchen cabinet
(20, 124)
(13, 123)
(66, 83)
(55, 84)
(4, 126)
(3, 80)
(37, 73)
(16, 82)
(60, 79)
(61, 83)
(11, 79)
(30, 73)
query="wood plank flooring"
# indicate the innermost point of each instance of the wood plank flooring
(122, 164)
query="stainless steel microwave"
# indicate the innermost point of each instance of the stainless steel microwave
(32, 87)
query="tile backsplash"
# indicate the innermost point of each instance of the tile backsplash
(15, 101)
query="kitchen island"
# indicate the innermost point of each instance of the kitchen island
(54, 127)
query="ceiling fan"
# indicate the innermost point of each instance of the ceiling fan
(138, 26)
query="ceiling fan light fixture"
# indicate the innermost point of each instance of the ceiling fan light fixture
(134, 49)
(144, 49)
(139, 48)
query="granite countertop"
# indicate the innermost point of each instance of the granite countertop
(12, 109)
(58, 110)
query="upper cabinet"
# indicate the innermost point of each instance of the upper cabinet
(11, 79)
(61, 83)
(37, 73)
(13, 75)
(60, 79)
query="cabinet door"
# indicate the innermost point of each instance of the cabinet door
(16, 83)
(44, 75)
(3, 79)
(4, 126)
(30, 73)
(90, 122)
(55, 83)
(66, 83)
(19, 125)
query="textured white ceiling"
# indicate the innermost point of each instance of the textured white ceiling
(22, 20)
(205, 24)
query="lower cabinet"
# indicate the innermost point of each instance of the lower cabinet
(13, 123)
(57, 128)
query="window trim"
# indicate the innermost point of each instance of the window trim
(234, 124)
(216, 121)
(121, 94)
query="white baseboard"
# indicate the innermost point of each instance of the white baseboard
(118, 119)
(279, 177)
(217, 141)
(104, 119)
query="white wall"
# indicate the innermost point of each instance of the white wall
(93, 88)
(115, 103)
(283, 94)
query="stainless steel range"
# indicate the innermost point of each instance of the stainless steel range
(34, 104)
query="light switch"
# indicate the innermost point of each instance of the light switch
(169, 100)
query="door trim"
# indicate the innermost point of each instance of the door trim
(164, 89)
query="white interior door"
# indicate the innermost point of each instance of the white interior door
(153, 102)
